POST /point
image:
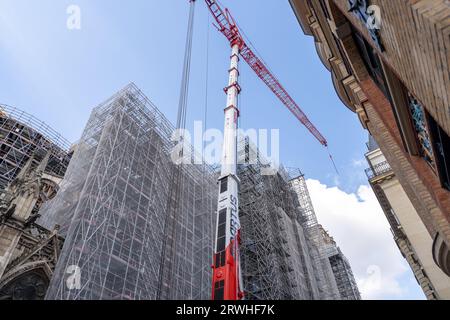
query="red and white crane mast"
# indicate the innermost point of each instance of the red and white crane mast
(227, 277)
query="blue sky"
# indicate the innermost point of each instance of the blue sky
(59, 75)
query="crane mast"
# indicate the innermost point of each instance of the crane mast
(227, 277)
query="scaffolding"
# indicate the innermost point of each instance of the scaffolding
(132, 232)
(345, 280)
(113, 204)
(279, 260)
(322, 271)
(342, 271)
(260, 247)
(21, 136)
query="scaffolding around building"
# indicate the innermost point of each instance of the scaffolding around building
(23, 135)
(280, 245)
(327, 285)
(126, 239)
(33, 160)
(113, 205)
(340, 266)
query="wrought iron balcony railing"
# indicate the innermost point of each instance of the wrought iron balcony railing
(378, 170)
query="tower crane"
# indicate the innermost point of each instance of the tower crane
(227, 277)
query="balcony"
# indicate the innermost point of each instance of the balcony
(441, 253)
(378, 170)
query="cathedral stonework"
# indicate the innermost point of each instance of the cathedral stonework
(28, 251)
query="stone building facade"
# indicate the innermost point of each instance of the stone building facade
(28, 252)
(409, 233)
(389, 65)
(33, 160)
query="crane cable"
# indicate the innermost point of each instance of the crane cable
(332, 160)
(182, 106)
(205, 123)
(177, 181)
(205, 115)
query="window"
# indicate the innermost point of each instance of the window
(219, 290)
(343, 55)
(220, 259)
(441, 145)
(371, 61)
(433, 141)
(224, 185)
(399, 97)
(221, 232)
(325, 9)
(221, 238)
(419, 119)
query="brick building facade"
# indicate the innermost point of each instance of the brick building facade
(389, 63)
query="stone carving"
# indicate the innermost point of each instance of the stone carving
(31, 285)
(30, 252)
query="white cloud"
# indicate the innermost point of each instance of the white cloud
(357, 223)
(359, 163)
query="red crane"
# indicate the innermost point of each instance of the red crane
(228, 27)
(227, 278)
